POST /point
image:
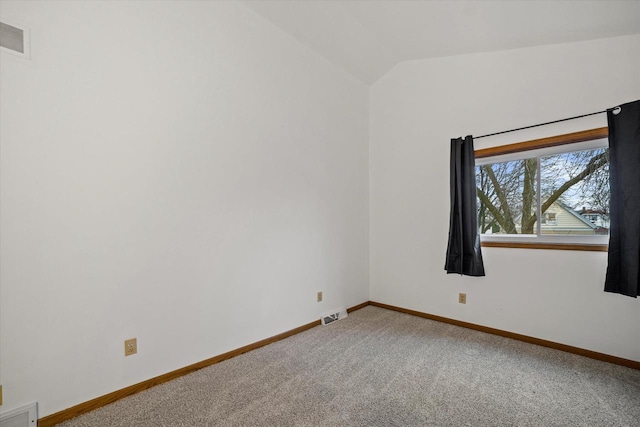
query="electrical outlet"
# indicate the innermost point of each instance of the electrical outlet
(130, 346)
(319, 296)
(462, 298)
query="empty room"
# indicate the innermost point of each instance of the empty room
(319, 213)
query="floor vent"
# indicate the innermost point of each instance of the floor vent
(339, 314)
(24, 416)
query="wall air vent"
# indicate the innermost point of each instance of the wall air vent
(14, 38)
(25, 416)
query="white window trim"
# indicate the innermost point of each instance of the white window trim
(559, 149)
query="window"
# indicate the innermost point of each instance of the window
(549, 218)
(562, 180)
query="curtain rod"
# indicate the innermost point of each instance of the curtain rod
(549, 123)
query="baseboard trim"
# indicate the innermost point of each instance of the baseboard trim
(531, 340)
(358, 307)
(98, 402)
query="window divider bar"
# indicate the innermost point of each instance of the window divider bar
(539, 207)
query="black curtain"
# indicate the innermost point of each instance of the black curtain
(624, 241)
(463, 251)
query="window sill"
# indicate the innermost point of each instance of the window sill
(552, 246)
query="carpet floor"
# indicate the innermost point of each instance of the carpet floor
(383, 368)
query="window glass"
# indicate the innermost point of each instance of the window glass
(507, 197)
(574, 191)
(569, 191)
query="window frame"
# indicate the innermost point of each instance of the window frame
(584, 140)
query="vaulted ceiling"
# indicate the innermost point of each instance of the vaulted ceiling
(369, 37)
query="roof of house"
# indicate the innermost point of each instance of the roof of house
(576, 214)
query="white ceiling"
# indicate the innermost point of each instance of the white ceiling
(368, 38)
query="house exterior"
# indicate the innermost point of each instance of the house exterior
(560, 218)
(599, 218)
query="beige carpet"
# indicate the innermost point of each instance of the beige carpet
(383, 368)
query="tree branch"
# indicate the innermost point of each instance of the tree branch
(507, 219)
(594, 164)
(487, 202)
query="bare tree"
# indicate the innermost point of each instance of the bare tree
(508, 191)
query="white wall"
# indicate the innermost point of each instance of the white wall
(414, 112)
(180, 172)
(187, 174)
